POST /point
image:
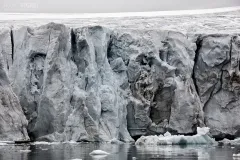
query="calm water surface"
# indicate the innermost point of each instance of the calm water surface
(118, 152)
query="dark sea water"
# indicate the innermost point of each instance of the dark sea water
(79, 151)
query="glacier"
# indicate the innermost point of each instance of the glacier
(117, 79)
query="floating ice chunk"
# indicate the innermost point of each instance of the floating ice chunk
(168, 139)
(203, 130)
(99, 152)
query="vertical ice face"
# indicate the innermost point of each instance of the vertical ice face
(66, 85)
(13, 123)
(217, 79)
(99, 84)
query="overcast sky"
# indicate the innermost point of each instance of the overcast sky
(96, 6)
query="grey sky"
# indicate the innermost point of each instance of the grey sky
(91, 6)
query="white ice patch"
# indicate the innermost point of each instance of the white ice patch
(25, 151)
(202, 131)
(44, 149)
(44, 143)
(4, 143)
(99, 152)
(168, 139)
(71, 142)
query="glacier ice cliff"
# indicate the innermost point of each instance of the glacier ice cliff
(13, 123)
(96, 83)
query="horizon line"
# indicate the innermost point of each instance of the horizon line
(22, 16)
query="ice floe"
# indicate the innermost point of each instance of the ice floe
(44, 143)
(168, 139)
(99, 152)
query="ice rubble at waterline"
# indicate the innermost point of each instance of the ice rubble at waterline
(167, 139)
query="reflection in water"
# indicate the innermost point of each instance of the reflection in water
(118, 152)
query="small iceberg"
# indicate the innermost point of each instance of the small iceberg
(168, 139)
(99, 152)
